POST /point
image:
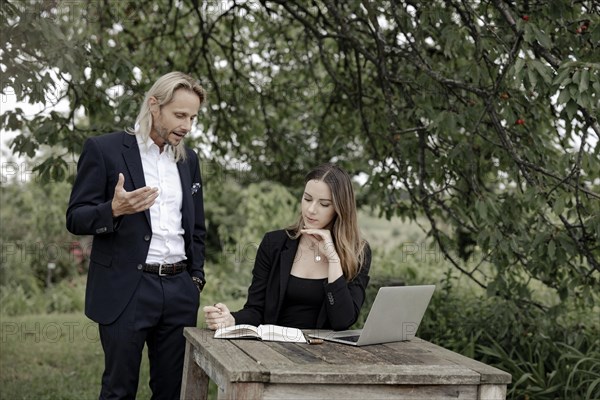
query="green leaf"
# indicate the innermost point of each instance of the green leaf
(576, 76)
(522, 378)
(583, 100)
(482, 209)
(532, 77)
(590, 391)
(574, 89)
(563, 75)
(519, 65)
(584, 81)
(551, 249)
(564, 96)
(543, 38)
(571, 109)
(543, 70)
(559, 205)
(539, 238)
(528, 34)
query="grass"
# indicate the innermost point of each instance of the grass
(55, 356)
(59, 356)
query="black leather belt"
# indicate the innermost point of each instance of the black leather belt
(165, 269)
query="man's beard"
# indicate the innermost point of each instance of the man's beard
(164, 135)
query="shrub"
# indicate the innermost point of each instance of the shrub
(548, 357)
(14, 300)
(67, 296)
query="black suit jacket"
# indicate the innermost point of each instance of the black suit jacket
(120, 245)
(270, 276)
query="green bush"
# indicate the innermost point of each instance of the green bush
(548, 358)
(64, 297)
(17, 269)
(15, 300)
(237, 218)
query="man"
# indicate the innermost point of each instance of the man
(140, 194)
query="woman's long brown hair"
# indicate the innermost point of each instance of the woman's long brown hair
(346, 236)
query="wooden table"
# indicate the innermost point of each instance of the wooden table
(251, 369)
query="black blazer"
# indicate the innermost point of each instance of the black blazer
(270, 275)
(120, 245)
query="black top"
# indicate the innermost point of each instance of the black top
(302, 302)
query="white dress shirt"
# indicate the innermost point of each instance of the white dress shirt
(160, 170)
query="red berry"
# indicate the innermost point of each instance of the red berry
(525, 17)
(583, 27)
(520, 121)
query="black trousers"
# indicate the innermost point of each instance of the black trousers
(156, 315)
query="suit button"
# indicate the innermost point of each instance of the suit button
(140, 266)
(330, 298)
(147, 238)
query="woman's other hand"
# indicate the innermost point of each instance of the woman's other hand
(218, 316)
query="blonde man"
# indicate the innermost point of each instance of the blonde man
(139, 193)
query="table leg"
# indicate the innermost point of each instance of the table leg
(491, 392)
(194, 384)
(249, 391)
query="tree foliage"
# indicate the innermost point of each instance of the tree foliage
(480, 115)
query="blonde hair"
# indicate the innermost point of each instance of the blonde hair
(345, 233)
(163, 90)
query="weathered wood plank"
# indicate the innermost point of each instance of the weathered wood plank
(333, 353)
(197, 336)
(231, 370)
(488, 373)
(405, 353)
(194, 384)
(298, 354)
(263, 354)
(411, 347)
(222, 361)
(381, 374)
(380, 392)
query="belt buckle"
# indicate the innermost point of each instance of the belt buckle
(160, 273)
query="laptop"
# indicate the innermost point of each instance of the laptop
(395, 316)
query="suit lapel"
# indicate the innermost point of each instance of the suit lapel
(186, 202)
(285, 264)
(131, 156)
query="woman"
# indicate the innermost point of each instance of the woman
(314, 273)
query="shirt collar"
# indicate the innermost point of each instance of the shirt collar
(146, 144)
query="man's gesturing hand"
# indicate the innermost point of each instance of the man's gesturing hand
(125, 202)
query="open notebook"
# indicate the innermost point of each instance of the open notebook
(395, 316)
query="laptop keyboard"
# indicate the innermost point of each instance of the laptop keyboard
(353, 338)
